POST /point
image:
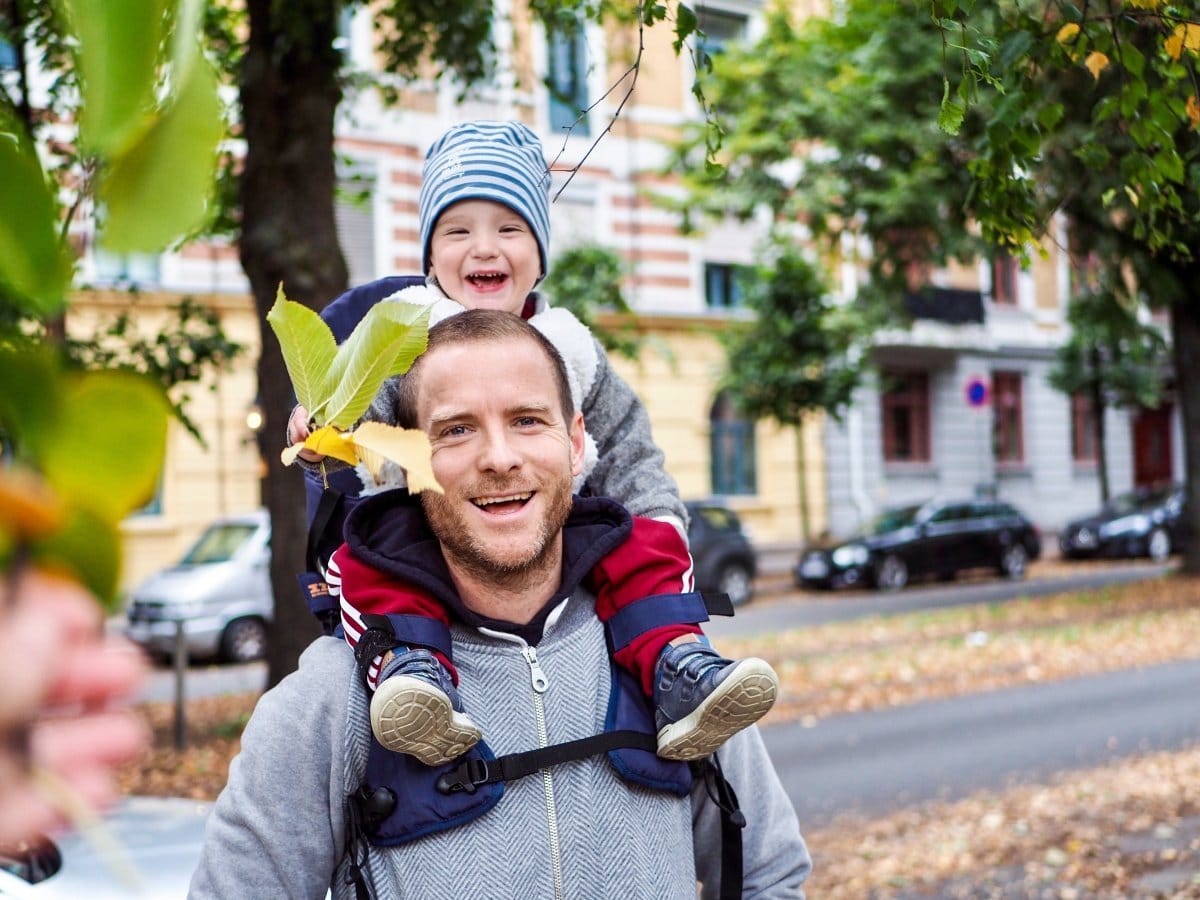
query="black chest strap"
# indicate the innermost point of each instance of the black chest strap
(474, 773)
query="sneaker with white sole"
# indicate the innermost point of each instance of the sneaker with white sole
(702, 699)
(416, 710)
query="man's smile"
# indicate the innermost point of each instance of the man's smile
(503, 502)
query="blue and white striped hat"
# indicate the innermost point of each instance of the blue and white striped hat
(500, 161)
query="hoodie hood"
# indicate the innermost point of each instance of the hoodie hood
(389, 532)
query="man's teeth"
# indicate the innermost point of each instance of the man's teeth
(511, 498)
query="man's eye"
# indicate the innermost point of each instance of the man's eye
(528, 421)
(454, 431)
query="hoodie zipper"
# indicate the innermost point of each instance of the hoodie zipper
(540, 684)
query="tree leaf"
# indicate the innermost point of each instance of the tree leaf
(308, 348)
(34, 263)
(406, 447)
(384, 343)
(108, 452)
(87, 548)
(118, 52)
(326, 440)
(160, 187)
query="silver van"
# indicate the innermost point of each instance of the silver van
(220, 590)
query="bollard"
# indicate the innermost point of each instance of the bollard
(181, 660)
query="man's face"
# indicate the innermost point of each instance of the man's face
(484, 255)
(503, 454)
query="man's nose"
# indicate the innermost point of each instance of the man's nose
(499, 453)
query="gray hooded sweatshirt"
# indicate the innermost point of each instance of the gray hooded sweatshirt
(577, 831)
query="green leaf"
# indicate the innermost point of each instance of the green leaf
(308, 348)
(118, 52)
(87, 547)
(28, 418)
(951, 112)
(160, 188)
(108, 451)
(34, 263)
(384, 343)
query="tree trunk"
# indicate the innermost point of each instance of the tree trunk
(1098, 413)
(802, 483)
(289, 96)
(1185, 339)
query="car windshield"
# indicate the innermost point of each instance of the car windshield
(1133, 501)
(893, 519)
(219, 543)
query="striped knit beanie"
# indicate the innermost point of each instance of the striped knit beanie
(500, 161)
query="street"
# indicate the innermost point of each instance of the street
(878, 761)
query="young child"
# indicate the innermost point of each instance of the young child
(484, 224)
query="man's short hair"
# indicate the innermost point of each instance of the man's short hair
(481, 326)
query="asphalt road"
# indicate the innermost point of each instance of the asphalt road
(879, 761)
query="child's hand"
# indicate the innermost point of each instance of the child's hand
(298, 430)
(61, 681)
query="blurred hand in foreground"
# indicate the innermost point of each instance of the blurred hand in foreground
(62, 683)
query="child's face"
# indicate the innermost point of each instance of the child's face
(484, 255)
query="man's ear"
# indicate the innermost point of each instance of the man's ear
(577, 444)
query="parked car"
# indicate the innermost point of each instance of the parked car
(220, 590)
(161, 837)
(932, 538)
(1144, 522)
(722, 552)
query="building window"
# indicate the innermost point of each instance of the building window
(567, 80)
(725, 285)
(126, 268)
(733, 449)
(1008, 438)
(1083, 429)
(718, 30)
(1004, 279)
(905, 403)
(354, 217)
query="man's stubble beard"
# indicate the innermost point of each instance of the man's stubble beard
(475, 557)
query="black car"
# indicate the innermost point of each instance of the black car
(723, 557)
(933, 538)
(1144, 522)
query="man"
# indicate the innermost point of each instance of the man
(506, 548)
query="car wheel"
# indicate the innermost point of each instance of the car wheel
(1158, 545)
(733, 578)
(891, 574)
(244, 640)
(1013, 561)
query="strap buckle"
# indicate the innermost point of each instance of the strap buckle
(466, 777)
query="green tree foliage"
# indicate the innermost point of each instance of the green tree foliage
(831, 124)
(1113, 359)
(1091, 109)
(587, 280)
(799, 354)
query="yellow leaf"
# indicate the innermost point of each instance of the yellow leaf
(1191, 36)
(1067, 32)
(327, 441)
(1193, 110)
(407, 448)
(1174, 44)
(1096, 63)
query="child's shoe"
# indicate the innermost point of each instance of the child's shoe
(416, 710)
(702, 699)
